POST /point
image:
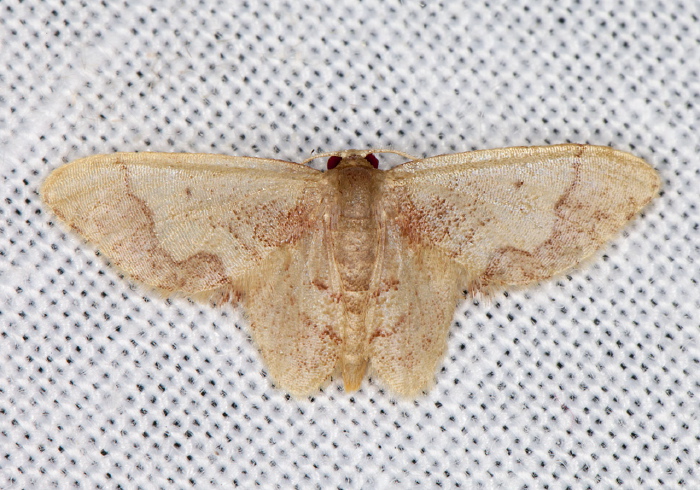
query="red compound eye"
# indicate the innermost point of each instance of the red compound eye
(333, 162)
(372, 159)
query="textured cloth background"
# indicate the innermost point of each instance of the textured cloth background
(590, 380)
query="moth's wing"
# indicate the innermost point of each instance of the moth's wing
(186, 222)
(412, 305)
(517, 215)
(294, 312)
(197, 223)
(484, 219)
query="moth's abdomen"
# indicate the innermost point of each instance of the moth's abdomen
(355, 251)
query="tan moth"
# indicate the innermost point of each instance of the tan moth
(354, 265)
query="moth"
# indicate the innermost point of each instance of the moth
(352, 266)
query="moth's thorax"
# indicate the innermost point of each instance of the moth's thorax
(356, 184)
(354, 227)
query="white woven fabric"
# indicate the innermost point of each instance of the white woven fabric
(588, 381)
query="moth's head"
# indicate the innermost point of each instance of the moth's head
(355, 158)
(368, 160)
